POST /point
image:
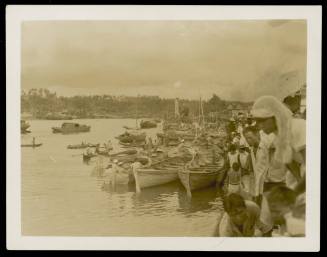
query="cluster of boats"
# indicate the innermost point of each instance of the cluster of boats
(181, 153)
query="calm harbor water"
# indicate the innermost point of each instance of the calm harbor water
(61, 198)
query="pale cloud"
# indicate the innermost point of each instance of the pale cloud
(234, 59)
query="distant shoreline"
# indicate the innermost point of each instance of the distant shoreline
(88, 118)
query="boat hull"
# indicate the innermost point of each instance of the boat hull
(31, 145)
(154, 177)
(197, 180)
(80, 146)
(71, 130)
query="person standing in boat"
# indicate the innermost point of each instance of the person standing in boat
(109, 146)
(88, 151)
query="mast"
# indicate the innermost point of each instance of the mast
(136, 112)
(176, 108)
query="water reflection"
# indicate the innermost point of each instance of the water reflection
(61, 197)
(201, 200)
(156, 200)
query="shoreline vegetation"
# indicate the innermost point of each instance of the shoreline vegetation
(44, 104)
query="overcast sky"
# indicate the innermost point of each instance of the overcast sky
(237, 60)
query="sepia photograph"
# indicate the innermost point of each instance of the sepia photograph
(164, 128)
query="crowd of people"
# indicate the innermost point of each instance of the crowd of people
(265, 178)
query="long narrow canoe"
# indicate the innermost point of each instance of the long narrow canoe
(31, 145)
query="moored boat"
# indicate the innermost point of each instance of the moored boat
(81, 146)
(140, 144)
(31, 145)
(70, 127)
(149, 177)
(203, 174)
(148, 124)
(129, 137)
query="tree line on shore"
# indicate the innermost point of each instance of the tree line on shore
(41, 103)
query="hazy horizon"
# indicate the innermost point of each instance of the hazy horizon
(236, 60)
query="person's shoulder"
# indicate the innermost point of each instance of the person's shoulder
(252, 207)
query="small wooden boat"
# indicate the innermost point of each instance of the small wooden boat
(31, 145)
(131, 128)
(70, 127)
(197, 179)
(148, 124)
(162, 171)
(141, 144)
(129, 137)
(103, 152)
(149, 177)
(81, 146)
(203, 175)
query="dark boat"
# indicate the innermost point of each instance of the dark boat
(31, 145)
(129, 137)
(87, 157)
(141, 144)
(70, 127)
(81, 146)
(148, 124)
(131, 128)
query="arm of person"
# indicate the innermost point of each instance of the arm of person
(249, 226)
(260, 170)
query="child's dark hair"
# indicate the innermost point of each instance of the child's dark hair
(233, 201)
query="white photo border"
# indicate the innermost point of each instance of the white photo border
(15, 15)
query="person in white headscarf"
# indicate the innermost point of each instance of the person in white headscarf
(289, 144)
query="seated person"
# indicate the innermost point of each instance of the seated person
(241, 219)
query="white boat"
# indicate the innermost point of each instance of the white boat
(149, 177)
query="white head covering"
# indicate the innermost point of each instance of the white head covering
(269, 106)
(262, 113)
